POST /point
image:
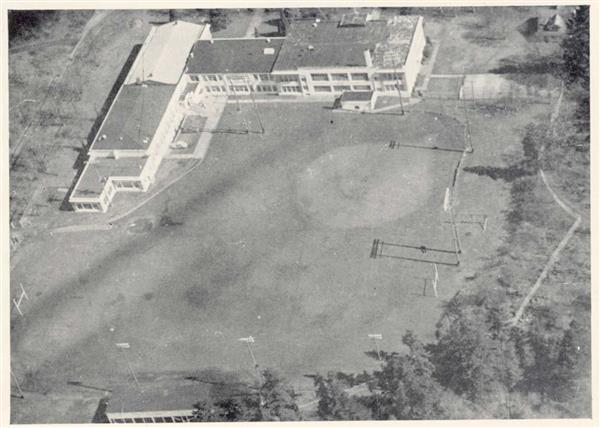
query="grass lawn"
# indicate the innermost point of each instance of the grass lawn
(274, 242)
(482, 41)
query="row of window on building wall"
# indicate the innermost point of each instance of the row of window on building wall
(317, 77)
(154, 419)
(296, 89)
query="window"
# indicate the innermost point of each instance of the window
(158, 419)
(90, 206)
(362, 87)
(266, 88)
(322, 88)
(266, 77)
(212, 78)
(360, 76)
(319, 77)
(168, 419)
(148, 420)
(238, 88)
(388, 76)
(339, 76)
(178, 419)
(341, 88)
(138, 420)
(390, 87)
(194, 78)
(286, 77)
(290, 89)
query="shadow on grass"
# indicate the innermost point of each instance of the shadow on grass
(100, 415)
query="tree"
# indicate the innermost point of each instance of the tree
(219, 19)
(272, 400)
(475, 355)
(278, 399)
(576, 62)
(335, 403)
(576, 47)
(405, 388)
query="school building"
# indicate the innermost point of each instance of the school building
(180, 61)
(315, 57)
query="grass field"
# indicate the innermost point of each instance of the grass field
(274, 242)
(485, 40)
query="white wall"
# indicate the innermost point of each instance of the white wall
(414, 57)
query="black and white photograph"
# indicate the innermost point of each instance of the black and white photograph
(363, 212)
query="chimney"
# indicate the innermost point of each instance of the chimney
(368, 59)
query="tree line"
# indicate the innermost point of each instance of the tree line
(478, 367)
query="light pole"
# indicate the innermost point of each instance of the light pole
(262, 128)
(122, 347)
(375, 338)
(248, 340)
(17, 384)
(398, 86)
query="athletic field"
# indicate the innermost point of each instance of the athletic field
(271, 237)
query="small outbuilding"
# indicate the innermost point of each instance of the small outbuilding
(556, 24)
(357, 100)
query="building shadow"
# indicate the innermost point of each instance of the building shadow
(82, 157)
(100, 415)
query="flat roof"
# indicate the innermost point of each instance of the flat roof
(234, 55)
(311, 44)
(163, 56)
(159, 397)
(357, 96)
(133, 117)
(98, 170)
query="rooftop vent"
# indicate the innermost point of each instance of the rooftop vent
(268, 40)
(212, 42)
(311, 47)
(269, 51)
(314, 24)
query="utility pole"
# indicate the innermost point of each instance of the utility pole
(468, 141)
(398, 86)
(124, 346)
(17, 384)
(375, 338)
(248, 340)
(262, 128)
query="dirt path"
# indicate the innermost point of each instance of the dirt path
(18, 146)
(96, 19)
(570, 211)
(555, 253)
(255, 21)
